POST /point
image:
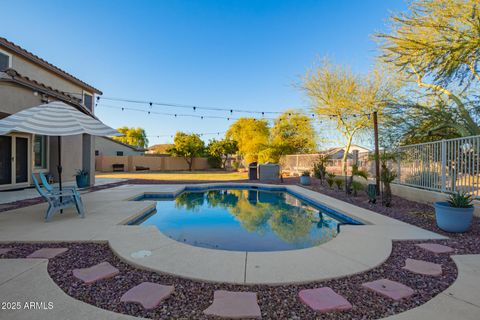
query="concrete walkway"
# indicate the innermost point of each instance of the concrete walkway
(26, 283)
(460, 301)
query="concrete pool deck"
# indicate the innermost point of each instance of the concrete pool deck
(355, 249)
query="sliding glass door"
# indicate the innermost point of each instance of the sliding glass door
(14, 161)
(5, 160)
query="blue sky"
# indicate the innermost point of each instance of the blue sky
(230, 54)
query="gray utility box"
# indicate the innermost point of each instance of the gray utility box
(252, 171)
(269, 172)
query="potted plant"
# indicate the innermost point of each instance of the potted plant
(305, 178)
(82, 178)
(455, 214)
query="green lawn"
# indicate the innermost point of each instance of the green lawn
(177, 175)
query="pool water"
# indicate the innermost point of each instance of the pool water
(243, 220)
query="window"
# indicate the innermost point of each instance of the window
(97, 153)
(4, 61)
(40, 152)
(119, 153)
(88, 100)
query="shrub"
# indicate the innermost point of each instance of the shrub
(235, 165)
(387, 176)
(339, 183)
(356, 186)
(214, 162)
(306, 173)
(330, 179)
(358, 173)
(320, 168)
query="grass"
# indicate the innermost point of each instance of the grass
(177, 175)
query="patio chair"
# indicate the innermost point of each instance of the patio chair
(59, 200)
(53, 189)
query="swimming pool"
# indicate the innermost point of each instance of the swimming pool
(244, 219)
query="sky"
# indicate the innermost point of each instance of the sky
(241, 54)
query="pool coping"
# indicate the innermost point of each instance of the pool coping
(356, 249)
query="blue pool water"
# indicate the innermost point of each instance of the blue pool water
(244, 220)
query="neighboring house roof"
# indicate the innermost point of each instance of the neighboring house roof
(126, 145)
(335, 150)
(39, 61)
(13, 76)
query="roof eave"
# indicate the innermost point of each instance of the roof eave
(43, 63)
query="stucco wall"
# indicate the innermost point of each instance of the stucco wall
(107, 147)
(72, 154)
(104, 163)
(14, 98)
(28, 69)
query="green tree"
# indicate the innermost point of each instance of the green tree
(133, 136)
(347, 99)
(293, 133)
(219, 150)
(187, 146)
(435, 46)
(252, 135)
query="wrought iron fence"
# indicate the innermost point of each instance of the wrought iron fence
(445, 166)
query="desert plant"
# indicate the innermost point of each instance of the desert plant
(356, 186)
(460, 200)
(339, 183)
(387, 176)
(330, 179)
(306, 173)
(320, 168)
(356, 172)
(81, 172)
(235, 165)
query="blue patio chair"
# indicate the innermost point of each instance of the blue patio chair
(53, 189)
(59, 200)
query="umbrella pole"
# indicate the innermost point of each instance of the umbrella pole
(59, 167)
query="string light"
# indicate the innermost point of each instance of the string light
(177, 105)
(200, 134)
(151, 104)
(169, 114)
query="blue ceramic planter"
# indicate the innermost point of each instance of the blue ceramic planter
(305, 180)
(453, 219)
(82, 181)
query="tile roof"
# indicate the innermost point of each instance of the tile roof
(45, 64)
(13, 76)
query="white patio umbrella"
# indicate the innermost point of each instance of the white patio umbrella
(55, 119)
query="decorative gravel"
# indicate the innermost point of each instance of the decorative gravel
(276, 302)
(418, 214)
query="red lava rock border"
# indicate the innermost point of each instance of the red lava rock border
(276, 302)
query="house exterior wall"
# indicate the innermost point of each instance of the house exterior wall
(31, 70)
(107, 147)
(77, 151)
